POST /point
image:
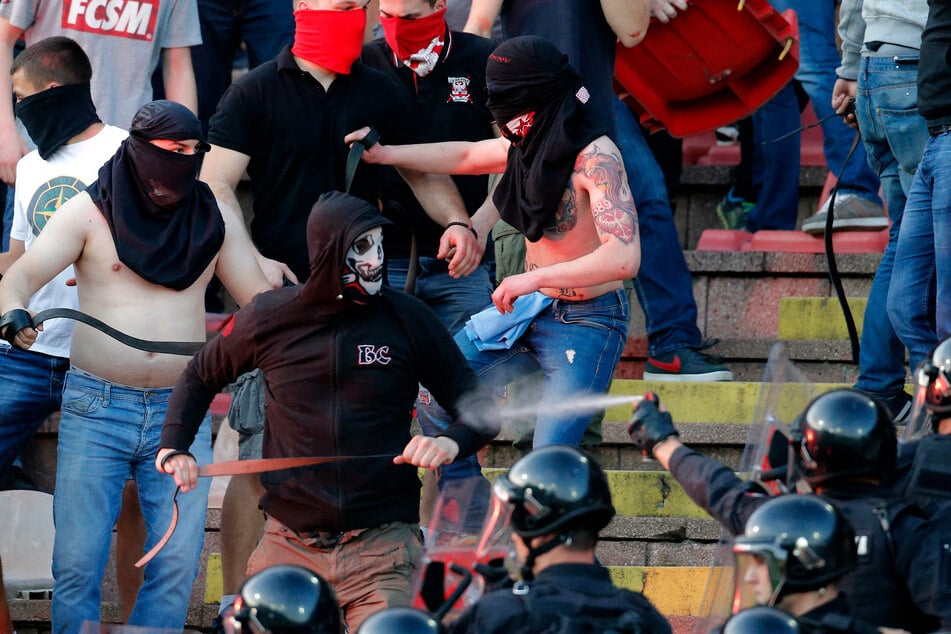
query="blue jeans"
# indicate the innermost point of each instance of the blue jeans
(576, 344)
(894, 135)
(776, 163)
(453, 301)
(32, 390)
(265, 27)
(663, 285)
(107, 433)
(919, 297)
(818, 59)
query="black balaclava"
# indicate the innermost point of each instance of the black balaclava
(335, 221)
(165, 223)
(537, 99)
(55, 115)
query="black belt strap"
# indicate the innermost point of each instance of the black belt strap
(356, 151)
(15, 320)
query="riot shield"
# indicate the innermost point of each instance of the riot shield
(927, 378)
(464, 538)
(766, 459)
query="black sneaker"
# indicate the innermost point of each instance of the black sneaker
(898, 404)
(686, 364)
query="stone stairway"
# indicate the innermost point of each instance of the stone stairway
(660, 542)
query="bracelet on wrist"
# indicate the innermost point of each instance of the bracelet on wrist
(456, 223)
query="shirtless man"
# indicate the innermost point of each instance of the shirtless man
(565, 188)
(143, 257)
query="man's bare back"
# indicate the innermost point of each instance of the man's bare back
(79, 234)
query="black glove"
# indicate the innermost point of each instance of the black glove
(650, 426)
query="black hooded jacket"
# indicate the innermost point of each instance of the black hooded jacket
(341, 379)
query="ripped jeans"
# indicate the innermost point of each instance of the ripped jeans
(576, 344)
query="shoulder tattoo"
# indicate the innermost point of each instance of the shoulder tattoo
(613, 210)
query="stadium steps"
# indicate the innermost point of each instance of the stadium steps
(660, 542)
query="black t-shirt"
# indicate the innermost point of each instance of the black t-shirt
(292, 130)
(580, 30)
(934, 66)
(449, 105)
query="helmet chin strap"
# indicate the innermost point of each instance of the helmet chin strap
(777, 593)
(527, 570)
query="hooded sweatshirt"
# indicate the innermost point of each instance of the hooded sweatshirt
(341, 379)
(862, 22)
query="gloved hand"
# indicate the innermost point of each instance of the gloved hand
(649, 426)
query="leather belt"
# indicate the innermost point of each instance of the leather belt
(239, 467)
(18, 319)
(938, 130)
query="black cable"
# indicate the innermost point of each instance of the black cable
(834, 276)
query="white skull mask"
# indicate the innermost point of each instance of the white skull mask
(363, 266)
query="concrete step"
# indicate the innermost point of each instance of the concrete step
(818, 317)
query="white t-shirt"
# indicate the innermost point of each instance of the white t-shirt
(41, 188)
(123, 39)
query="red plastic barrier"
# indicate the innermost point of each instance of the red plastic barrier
(713, 64)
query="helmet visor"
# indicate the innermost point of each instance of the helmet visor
(760, 574)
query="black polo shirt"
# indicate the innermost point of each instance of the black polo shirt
(292, 130)
(449, 106)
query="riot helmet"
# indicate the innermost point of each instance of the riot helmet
(844, 434)
(400, 621)
(792, 544)
(761, 619)
(932, 401)
(556, 489)
(286, 599)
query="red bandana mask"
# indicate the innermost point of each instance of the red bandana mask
(417, 43)
(330, 39)
(518, 128)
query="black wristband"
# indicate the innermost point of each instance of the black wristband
(175, 452)
(13, 321)
(456, 223)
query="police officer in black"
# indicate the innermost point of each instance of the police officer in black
(845, 447)
(923, 473)
(792, 554)
(559, 501)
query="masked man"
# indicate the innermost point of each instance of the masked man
(342, 357)
(565, 189)
(144, 240)
(283, 123)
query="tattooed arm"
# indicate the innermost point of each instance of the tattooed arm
(598, 201)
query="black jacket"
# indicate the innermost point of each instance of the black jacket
(934, 68)
(887, 584)
(341, 379)
(558, 590)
